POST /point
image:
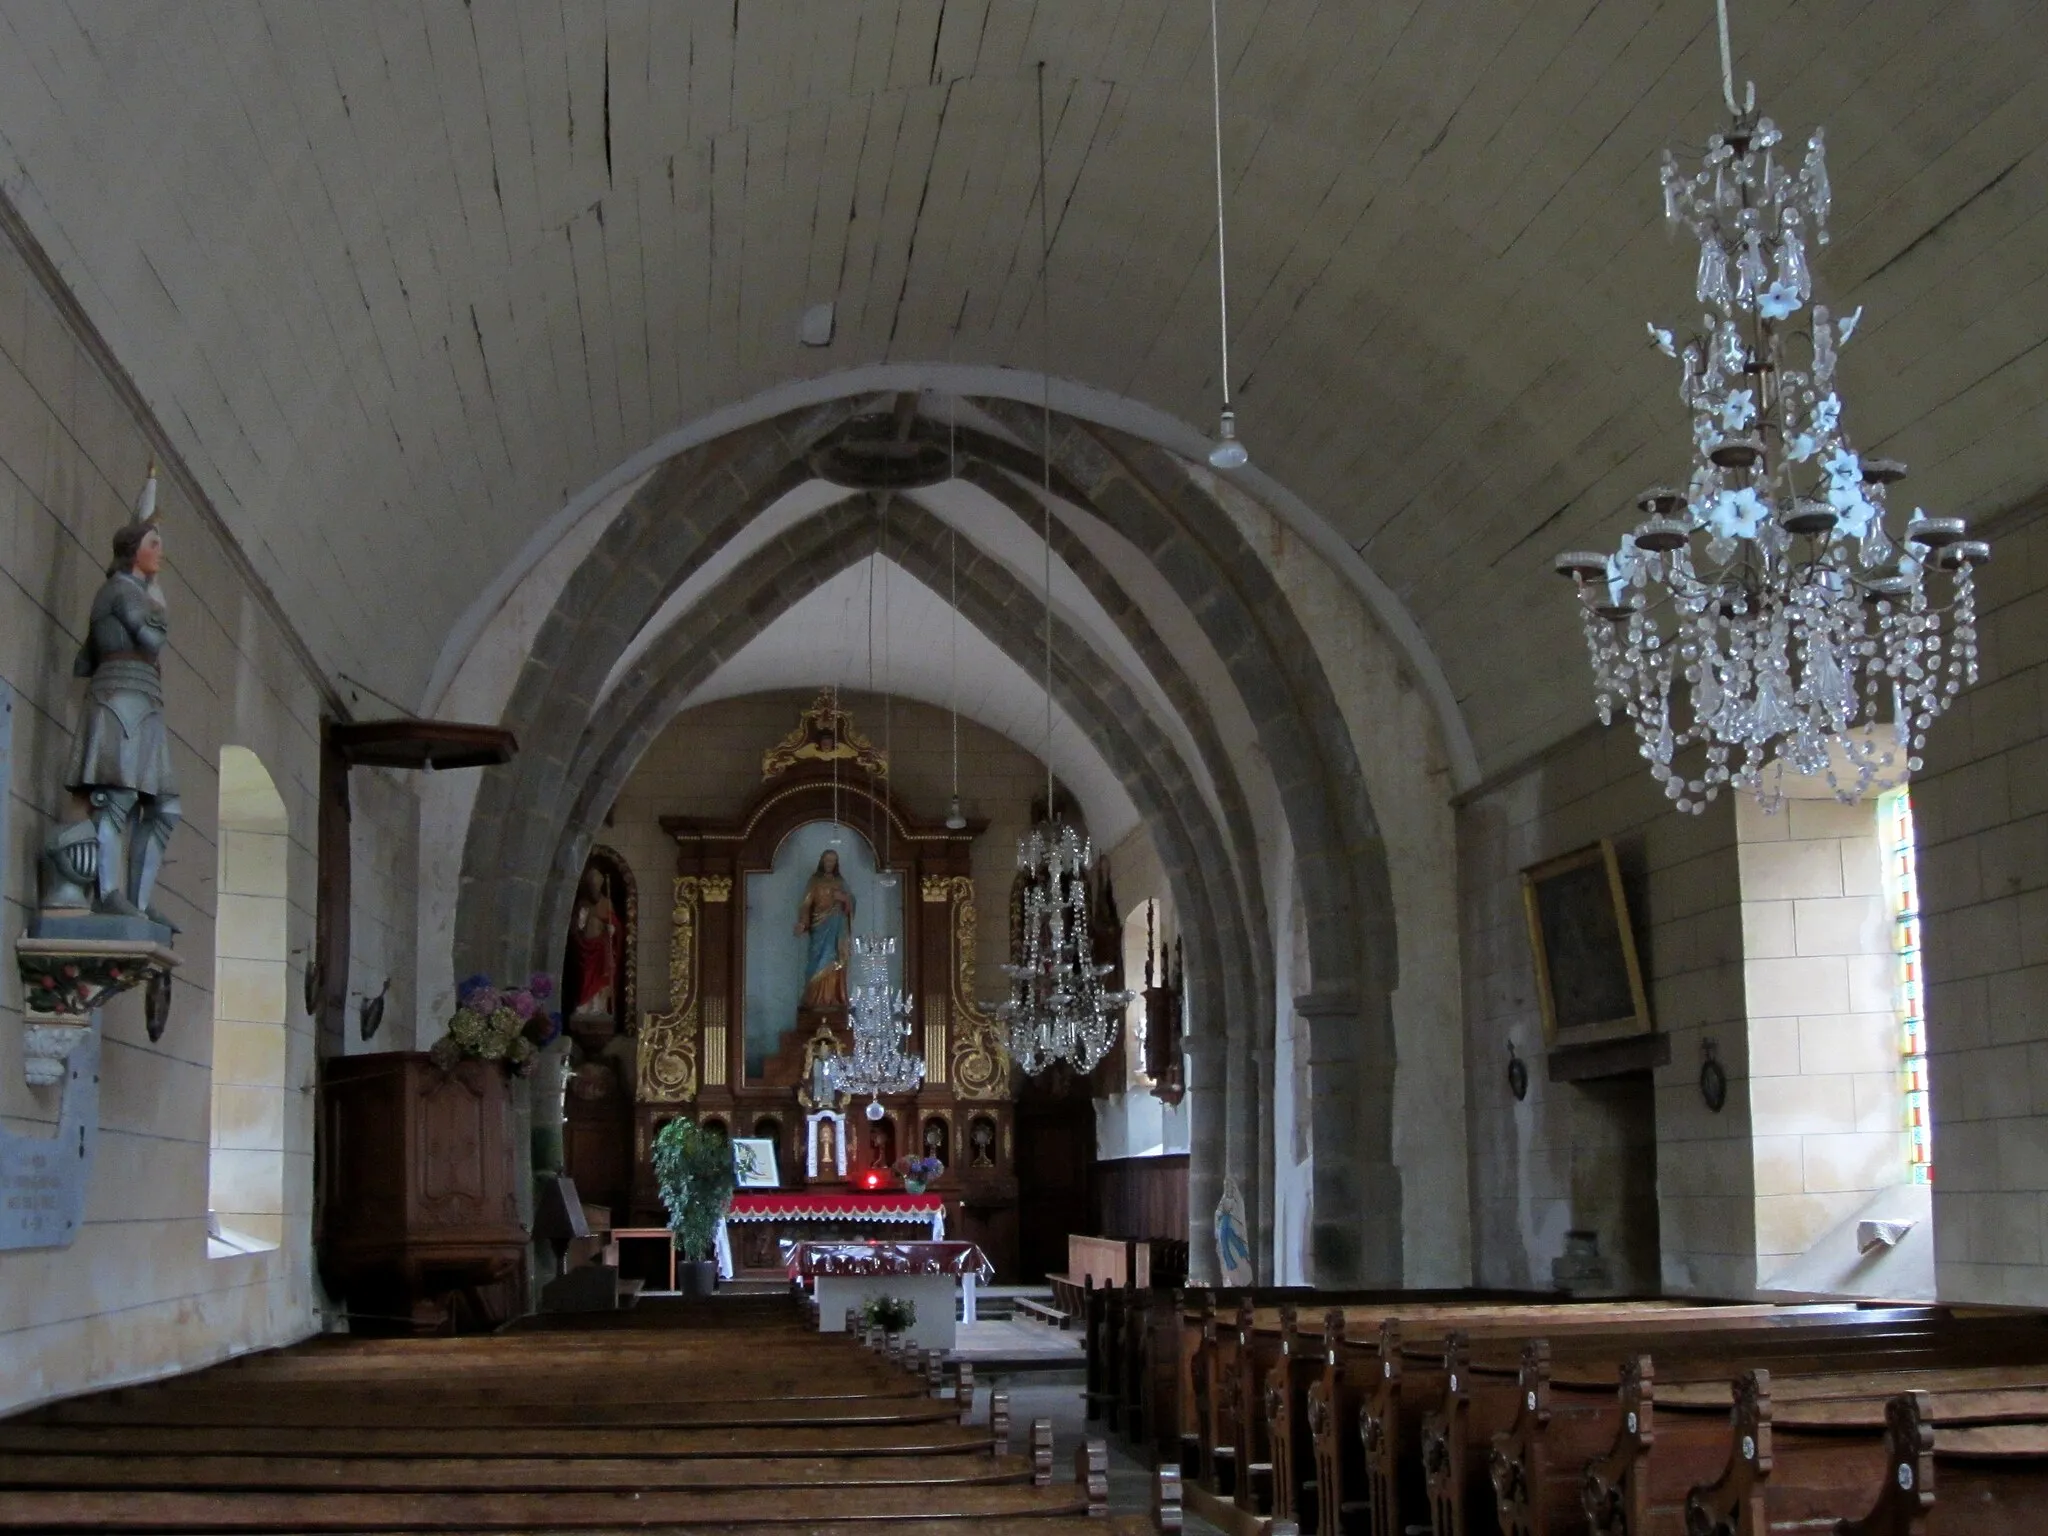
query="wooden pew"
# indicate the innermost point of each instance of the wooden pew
(1483, 1407)
(468, 1439)
(1791, 1443)
(1393, 1389)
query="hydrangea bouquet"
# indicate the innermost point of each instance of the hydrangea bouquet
(508, 1025)
(916, 1172)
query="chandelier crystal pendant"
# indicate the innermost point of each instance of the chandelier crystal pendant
(1770, 587)
(1058, 1009)
(879, 1016)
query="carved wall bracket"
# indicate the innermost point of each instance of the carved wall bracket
(64, 982)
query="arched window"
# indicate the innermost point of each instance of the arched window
(246, 1163)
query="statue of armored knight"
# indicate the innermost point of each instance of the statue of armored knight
(99, 872)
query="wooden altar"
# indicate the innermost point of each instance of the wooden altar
(691, 1058)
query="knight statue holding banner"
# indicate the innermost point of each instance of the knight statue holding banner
(99, 871)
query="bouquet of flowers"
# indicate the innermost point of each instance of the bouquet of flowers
(918, 1171)
(891, 1314)
(491, 1023)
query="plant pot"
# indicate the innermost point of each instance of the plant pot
(696, 1277)
(913, 1186)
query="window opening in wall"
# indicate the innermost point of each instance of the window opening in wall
(246, 1156)
(1902, 891)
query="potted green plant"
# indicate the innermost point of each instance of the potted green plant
(694, 1170)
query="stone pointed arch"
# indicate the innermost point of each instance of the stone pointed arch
(1154, 502)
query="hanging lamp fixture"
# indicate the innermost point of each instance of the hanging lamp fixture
(886, 877)
(878, 1013)
(1058, 1009)
(1226, 452)
(1765, 612)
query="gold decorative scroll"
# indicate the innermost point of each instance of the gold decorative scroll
(981, 1064)
(668, 1041)
(824, 733)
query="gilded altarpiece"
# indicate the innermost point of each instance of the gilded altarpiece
(693, 1059)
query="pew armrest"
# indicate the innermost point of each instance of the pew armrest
(1041, 1453)
(999, 1422)
(1091, 1474)
(1166, 1501)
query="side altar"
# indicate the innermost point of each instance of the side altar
(763, 910)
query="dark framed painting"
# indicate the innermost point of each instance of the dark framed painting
(1588, 979)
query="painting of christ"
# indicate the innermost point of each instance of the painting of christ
(803, 916)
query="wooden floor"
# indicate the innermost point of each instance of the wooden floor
(731, 1415)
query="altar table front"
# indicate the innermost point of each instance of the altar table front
(824, 1215)
(845, 1275)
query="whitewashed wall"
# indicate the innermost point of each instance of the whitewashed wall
(136, 1295)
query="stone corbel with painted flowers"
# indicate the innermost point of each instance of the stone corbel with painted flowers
(64, 984)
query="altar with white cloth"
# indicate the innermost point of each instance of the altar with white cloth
(927, 1274)
(770, 1222)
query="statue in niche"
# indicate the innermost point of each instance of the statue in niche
(828, 1150)
(594, 939)
(825, 916)
(101, 871)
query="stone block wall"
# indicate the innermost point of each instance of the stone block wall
(136, 1294)
(1981, 808)
(1572, 1156)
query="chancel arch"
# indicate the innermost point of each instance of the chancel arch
(1157, 724)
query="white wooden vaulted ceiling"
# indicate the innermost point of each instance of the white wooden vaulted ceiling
(404, 278)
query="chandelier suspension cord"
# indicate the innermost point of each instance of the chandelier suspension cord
(1727, 69)
(888, 710)
(874, 564)
(1045, 421)
(1222, 271)
(953, 568)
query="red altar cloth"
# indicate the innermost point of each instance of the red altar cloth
(824, 1206)
(807, 1261)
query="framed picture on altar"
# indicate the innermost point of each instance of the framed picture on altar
(753, 1162)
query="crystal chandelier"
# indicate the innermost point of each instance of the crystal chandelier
(1058, 1009)
(1770, 586)
(879, 1016)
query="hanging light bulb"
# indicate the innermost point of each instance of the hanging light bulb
(956, 819)
(1227, 452)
